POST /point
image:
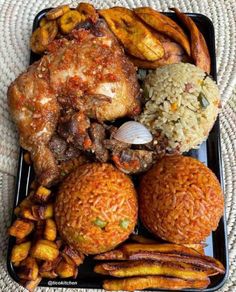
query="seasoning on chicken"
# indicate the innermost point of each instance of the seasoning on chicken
(88, 73)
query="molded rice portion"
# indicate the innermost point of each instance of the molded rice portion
(173, 105)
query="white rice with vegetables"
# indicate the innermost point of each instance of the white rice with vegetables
(182, 103)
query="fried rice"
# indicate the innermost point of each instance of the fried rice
(182, 103)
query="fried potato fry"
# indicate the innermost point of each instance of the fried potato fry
(21, 228)
(133, 34)
(158, 282)
(50, 232)
(42, 194)
(57, 12)
(32, 284)
(44, 250)
(67, 267)
(69, 21)
(144, 267)
(20, 251)
(199, 50)
(75, 255)
(111, 255)
(165, 25)
(28, 269)
(87, 11)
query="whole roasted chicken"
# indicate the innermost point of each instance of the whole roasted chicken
(85, 75)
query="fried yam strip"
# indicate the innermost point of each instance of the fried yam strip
(140, 283)
(199, 50)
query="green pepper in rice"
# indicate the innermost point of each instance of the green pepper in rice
(100, 223)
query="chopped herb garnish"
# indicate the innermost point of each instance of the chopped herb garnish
(203, 100)
(100, 223)
(124, 223)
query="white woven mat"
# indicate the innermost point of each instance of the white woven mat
(16, 18)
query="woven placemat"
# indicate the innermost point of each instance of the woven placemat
(16, 18)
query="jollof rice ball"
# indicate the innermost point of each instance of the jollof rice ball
(96, 208)
(180, 200)
(182, 104)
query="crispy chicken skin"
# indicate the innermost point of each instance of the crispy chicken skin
(87, 72)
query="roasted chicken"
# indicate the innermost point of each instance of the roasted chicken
(86, 73)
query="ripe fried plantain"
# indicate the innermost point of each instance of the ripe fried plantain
(28, 269)
(44, 250)
(42, 194)
(158, 282)
(39, 40)
(133, 34)
(67, 267)
(50, 232)
(20, 251)
(87, 11)
(21, 228)
(57, 12)
(165, 25)
(147, 267)
(75, 255)
(32, 284)
(69, 21)
(199, 49)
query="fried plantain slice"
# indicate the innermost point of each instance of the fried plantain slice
(165, 25)
(43, 21)
(87, 11)
(39, 40)
(21, 228)
(199, 49)
(20, 251)
(133, 34)
(69, 21)
(44, 250)
(52, 29)
(57, 12)
(158, 282)
(50, 232)
(161, 248)
(31, 285)
(202, 262)
(28, 269)
(173, 54)
(147, 267)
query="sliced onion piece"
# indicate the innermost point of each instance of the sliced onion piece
(133, 133)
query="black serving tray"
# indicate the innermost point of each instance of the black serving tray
(209, 153)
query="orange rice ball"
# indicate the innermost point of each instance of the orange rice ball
(96, 208)
(180, 200)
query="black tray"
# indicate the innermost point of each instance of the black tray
(209, 153)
